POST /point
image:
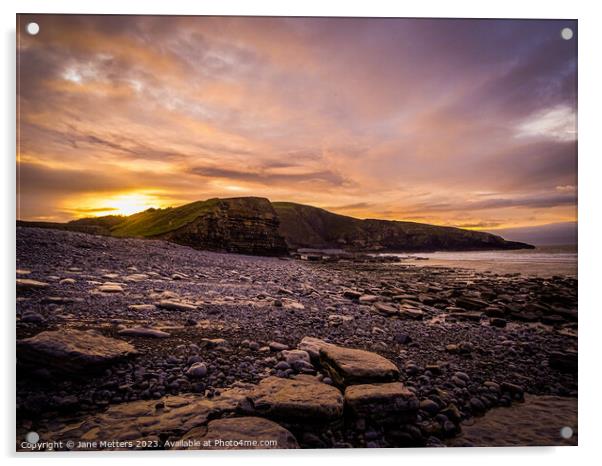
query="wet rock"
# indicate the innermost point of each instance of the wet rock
(368, 299)
(142, 307)
(32, 318)
(350, 294)
(72, 351)
(409, 312)
(175, 306)
(198, 370)
(498, 322)
(382, 402)
(470, 303)
(385, 309)
(143, 332)
(28, 284)
(276, 346)
(167, 418)
(294, 356)
(351, 366)
(303, 398)
(110, 288)
(240, 433)
(402, 338)
(312, 346)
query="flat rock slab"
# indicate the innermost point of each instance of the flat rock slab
(300, 399)
(348, 366)
(142, 307)
(110, 288)
(170, 417)
(382, 402)
(28, 284)
(240, 433)
(72, 351)
(176, 306)
(143, 332)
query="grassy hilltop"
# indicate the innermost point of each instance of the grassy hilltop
(255, 225)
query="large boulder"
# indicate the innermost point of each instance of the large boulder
(382, 402)
(240, 433)
(303, 398)
(348, 366)
(72, 351)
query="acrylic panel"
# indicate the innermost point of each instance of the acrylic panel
(309, 232)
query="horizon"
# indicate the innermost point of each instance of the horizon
(464, 123)
(549, 234)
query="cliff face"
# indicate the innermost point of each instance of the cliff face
(254, 225)
(309, 227)
(240, 225)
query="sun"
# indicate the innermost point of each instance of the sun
(128, 204)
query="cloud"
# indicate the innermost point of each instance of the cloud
(382, 117)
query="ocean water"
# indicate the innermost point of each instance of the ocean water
(542, 261)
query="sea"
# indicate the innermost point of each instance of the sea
(544, 261)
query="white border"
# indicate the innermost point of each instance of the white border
(590, 226)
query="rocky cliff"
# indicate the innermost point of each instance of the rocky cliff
(254, 225)
(305, 226)
(242, 225)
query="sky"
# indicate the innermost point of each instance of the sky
(468, 123)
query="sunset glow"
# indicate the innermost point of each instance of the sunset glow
(119, 204)
(451, 122)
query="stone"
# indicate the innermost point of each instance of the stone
(67, 281)
(350, 294)
(176, 306)
(169, 417)
(429, 406)
(515, 390)
(409, 312)
(110, 288)
(402, 338)
(295, 355)
(368, 298)
(276, 346)
(302, 398)
(473, 304)
(312, 346)
(142, 307)
(32, 318)
(385, 309)
(241, 433)
(497, 322)
(198, 370)
(72, 351)
(338, 319)
(382, 402)
(215, 342)
(136, 277)
(352, 366)
(28, 284)
(143, 332)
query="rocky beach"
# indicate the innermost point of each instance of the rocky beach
(127, 343)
